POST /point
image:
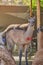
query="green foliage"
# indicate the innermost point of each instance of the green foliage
(34, 3)
(41, 1)
(26, 2)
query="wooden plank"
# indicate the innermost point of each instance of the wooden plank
(9, 8)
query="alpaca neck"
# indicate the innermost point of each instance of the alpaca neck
(29, 31)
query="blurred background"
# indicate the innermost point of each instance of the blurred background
(16, 12)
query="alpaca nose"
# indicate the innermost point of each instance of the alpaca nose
(33, 21)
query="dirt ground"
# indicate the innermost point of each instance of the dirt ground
(23, 61)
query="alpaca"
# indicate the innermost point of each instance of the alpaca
(38, 58)
(19, 37)
(39, 54)
(5, 56)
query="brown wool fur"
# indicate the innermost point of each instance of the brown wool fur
(38, 58)
(6, 58)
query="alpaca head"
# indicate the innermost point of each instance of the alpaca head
(31, 20)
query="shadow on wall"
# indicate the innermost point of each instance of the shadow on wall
(6, 19)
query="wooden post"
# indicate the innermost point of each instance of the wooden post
(30, 8)
(40, 34)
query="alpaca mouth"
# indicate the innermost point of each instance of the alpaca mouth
(32, 24)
